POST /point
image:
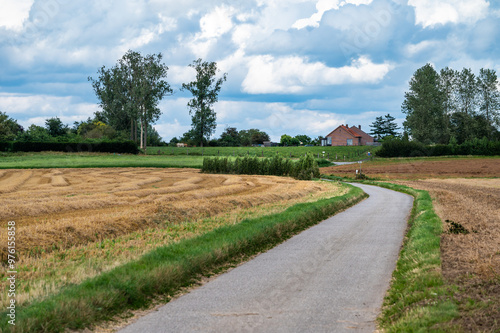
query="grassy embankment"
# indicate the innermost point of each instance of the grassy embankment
(418, 300)
(165, 270)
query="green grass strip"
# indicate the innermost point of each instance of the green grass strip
(90, 160)
(418, 299)
(165, 270)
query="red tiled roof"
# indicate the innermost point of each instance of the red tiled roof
(356, 135)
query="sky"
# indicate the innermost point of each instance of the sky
(294, 66)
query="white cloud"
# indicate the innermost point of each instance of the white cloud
(14, 13)
(217, 22)
(23, 106)
(213, 25)
(430, 13)
(322, 6)
(290, 75)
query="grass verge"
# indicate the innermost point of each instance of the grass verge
(419, 300)
(166, 270)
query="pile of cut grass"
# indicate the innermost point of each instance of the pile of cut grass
(164, 271)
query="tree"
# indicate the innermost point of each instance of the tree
(489, 96)
(35, 133)
(132, 90)
(286, 140)
(378, 129)
(384, 127)
(205, 90)
(230, 137)
(303, 139)
(390, 126)
(423, 106)
(253, 136)
(55, 127)
(448, 82)
(467, 92)
(9, 128)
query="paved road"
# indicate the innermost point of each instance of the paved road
(330, 278)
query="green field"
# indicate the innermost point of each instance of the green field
(167, 157)
(333, 153)
(95, 160)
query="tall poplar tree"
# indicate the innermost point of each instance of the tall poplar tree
(423, 105)
(489, 96)
(205, 90)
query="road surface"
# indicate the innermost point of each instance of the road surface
(330, 278)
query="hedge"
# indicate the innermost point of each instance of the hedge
(404, 148)
(305, 169)
(122, 147)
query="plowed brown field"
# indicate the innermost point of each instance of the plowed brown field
(72, 224)
(417, 169)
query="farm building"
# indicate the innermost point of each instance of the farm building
(349, 136)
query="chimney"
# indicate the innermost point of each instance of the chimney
(347, 125)
(359, 126)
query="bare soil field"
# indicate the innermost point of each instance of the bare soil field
(72, 224)
(470, 257)
(418, 169)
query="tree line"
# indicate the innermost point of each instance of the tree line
(130, 92)
(54, 130)
(452, 106)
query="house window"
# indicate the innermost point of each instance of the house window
(349, 142)
(329, 141)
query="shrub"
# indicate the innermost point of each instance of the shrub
(5, 146)
(305, 169)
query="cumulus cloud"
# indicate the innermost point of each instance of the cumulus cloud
(14, 13)
(430, 13)
(322, 6)
(290, 75)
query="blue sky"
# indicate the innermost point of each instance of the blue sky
(294, 66)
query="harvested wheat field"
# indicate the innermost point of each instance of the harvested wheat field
(470, 256)
(421, 168)
(73, 224)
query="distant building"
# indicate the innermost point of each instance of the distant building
(349, 136)
(270, 144)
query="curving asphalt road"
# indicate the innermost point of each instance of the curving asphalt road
(330, 278)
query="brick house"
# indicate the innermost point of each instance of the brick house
(349, 136)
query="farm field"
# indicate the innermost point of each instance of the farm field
(334, 153)
(417, 168)
(94, 160)
(73, 224)
(471, 258)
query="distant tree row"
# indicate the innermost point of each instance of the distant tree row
(452, 106)
(231, 137)
(56, 131)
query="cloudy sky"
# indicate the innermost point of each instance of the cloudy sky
(294, 66)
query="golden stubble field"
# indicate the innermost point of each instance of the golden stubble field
(73, 224)
(471, 260)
